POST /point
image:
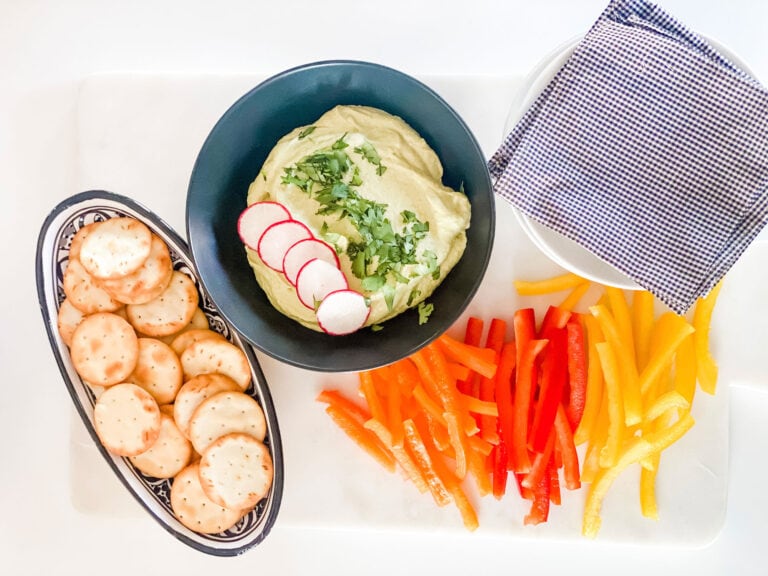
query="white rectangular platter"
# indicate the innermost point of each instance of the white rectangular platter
(138, 135)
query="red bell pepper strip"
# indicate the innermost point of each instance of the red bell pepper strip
(554, 318)
(564, 439)
(524, 324)
(503, 381)
(577, 372)
(494, 341)
(499, 455)
(554, 485)
(540, 462)
(472, 336)
(521, 407)
(554, 368)
(540, 505)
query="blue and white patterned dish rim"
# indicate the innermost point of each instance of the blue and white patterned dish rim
(561, 250)
(152, 493)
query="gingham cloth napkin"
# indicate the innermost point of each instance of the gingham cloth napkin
(649, 149)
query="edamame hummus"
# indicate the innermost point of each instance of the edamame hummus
(366, 183)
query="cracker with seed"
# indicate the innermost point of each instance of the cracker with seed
(194, 392)
(77, 240)
(216, 356)
(115, 248)
(104, 349)
(224, 413)
(169, 312)
(169, 454)
(146, 283)
(68, 318)
(126, 419)
(158, 370)
(194, 509)
(84, 293)
(236, 471)
(188, 337)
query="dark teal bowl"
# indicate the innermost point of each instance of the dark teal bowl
(231, 158)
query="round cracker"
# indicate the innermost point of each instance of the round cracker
(84, 293)
(77, 240)
(146, 283)
(188, 337)
(236, 471)
(194, 509)
(169, 454)
(216, 356)
(68, 318)
(115, 248)
(171, 311)
(104, 349)
(194, 392)
(127, 419)
(224, 413)
(158, 370)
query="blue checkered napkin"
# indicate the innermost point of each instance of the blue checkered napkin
(649, 149)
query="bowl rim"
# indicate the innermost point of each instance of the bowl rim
(490, 220)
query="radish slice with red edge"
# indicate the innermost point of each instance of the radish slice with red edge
(342, 312)
(256, 218)
(316, 279)
(304, 251)
(276, 240)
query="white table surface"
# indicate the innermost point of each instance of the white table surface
(47, 48)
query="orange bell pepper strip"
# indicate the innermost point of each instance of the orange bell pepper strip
(363, 437)
(626, 361)
(549, 285)
(368, 388)
(521, 406)
(594, 392)
(459, 372)
(423, 460)
(472, 336)
(480, 360)
(702, 318)
(577, 372)
(639, 449)
(341, 402)
(401, 455)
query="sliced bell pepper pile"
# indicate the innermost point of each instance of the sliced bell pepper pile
(612, 376)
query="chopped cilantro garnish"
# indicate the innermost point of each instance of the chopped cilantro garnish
(425, 310)
(376, 327)
(412, 297)
(330, 177)
(306, 132)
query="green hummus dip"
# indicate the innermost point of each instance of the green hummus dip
(365, 182)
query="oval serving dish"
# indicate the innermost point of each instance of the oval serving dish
(152, 493)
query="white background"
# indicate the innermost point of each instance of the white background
(47, 48)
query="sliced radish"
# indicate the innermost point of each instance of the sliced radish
(276, 240)
(304, 251)
(342, 312)
(255, 219)
(316, 279)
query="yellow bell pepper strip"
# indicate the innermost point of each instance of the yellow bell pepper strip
(642, 324)
(626, 360)
(672, 330)
(623, 317)
(636, 451)
(671, 400)
(574, 296)
(363, 437)
(594, 393)
(549, 285)
(523, 394)
(685, 369)
(554, 377)
(577, 372)
(702, 318)
(616, 420)
(598, 436)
